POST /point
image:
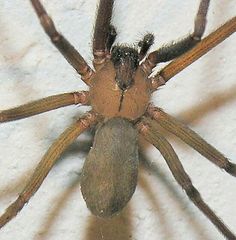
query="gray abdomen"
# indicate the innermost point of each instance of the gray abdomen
(109, 175)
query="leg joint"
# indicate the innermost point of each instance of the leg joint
(49, 27)
(230, 168)
(192, 192)
(2, 116)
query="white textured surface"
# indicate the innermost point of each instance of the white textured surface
(204, 96)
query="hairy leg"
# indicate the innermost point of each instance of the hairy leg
(175, 49)
(192, 139)
(67, 50)
(45, 165)
(104, 32)
(145, 44)
(194, 54)
(111, 38)
(148, 130)
(44, 105)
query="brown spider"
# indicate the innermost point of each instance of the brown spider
(119, 94)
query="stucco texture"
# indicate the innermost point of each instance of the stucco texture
(203, 96)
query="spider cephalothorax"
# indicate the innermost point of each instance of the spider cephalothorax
(120, 88)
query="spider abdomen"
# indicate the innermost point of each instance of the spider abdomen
(109, 175)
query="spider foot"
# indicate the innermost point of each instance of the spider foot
(231, 168)
(2, 117)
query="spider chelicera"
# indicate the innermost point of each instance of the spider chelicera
(119, 93)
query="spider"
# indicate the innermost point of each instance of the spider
(120, 88)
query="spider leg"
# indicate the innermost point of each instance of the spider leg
(192, 139)
(104, 33)
(44, 105)
(145, 44)
(61, 43)
(148, 129)
(45, 165)
(111, 37)
(192, 55)
(175, 49)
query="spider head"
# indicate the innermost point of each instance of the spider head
(126, 61)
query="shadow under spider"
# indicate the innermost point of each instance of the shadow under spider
(120, 227)
(217, 99)
(117, 228)
(211, 104)
(93, 225)
(123, 223)
(197, 112)
(197, 227)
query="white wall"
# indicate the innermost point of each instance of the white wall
(204, 96)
